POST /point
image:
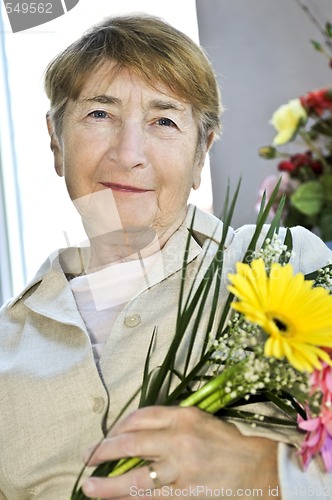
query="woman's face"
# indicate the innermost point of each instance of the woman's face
(130, 151)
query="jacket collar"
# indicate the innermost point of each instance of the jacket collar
(48, 292)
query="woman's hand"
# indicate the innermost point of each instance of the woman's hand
(192, 452)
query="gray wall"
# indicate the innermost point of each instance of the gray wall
(263, 58)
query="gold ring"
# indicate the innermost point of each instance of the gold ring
(154, 477)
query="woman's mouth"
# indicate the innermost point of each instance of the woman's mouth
(124, 188)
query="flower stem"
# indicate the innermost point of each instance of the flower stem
(219, 398)
(214, 387)
(125, 465)
(204, 392)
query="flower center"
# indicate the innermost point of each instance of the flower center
(285, 327)
(280, 324)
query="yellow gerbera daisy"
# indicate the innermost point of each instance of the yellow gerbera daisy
(296, 317)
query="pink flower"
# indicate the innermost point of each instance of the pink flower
(287, 186)
(319, 429)
(322, 380)
(318, 438)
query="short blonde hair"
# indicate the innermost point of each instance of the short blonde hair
(150, 47)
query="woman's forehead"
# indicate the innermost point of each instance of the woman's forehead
(111, 75)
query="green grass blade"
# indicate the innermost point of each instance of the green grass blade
(146, 371)
(261, 220)
(275, 223)
(288, 241)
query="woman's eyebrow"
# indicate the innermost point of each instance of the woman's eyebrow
(162, 104)
(102, 99)
(158, 104)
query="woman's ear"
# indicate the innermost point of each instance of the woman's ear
(55, 147)
(197, 174)
(210, 141)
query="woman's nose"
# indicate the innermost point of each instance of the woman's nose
(129, 147)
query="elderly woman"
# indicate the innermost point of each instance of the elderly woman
(134, 109)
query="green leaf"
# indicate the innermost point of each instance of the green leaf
(308, 198)
(316, 45)
(288, 241)
(326, 181)
(275, 223)
(146, 372)
(325, 224)
(328, 29)
(184, 268)
(252, 418)
(280, 402)
(261, 220)
(314, 274)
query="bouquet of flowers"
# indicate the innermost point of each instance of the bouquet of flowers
(272, 343)
(306, 173)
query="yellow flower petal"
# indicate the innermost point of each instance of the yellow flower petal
(299, 361)
(286, 120)
(250, 283)
(296, 316)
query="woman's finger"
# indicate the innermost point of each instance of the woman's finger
(133, 483)
(151, 417)
(149, 445)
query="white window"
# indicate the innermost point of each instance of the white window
(38, 213)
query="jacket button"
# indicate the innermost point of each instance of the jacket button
(98, 405)
(132, 320)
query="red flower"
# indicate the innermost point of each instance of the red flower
(317, 167)
(317, 101)
(301, 160)
(286, 166)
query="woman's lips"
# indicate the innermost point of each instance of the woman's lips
(124, 188)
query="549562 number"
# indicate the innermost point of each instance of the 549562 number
(29, 8)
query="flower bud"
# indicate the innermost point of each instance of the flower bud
(268, 152)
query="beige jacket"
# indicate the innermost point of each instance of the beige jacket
(54, 401)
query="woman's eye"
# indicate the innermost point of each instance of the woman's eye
(98, 114)
(166, 122)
